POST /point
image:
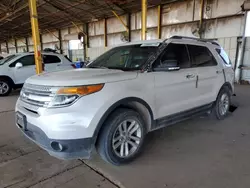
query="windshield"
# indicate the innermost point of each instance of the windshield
(7, 59)
(131, 57)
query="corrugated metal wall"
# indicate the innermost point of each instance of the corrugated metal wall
(179, 18)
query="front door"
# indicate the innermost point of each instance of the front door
(175, 91)
(26, 71)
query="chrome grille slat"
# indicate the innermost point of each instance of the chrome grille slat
(37, 96)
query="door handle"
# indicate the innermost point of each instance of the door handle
(188, 76)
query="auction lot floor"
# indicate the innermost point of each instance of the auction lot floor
(199, 153)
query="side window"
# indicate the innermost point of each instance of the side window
(27, 60)
(201, 56)
(174, 53)
(50, 59)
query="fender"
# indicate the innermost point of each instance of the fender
(114, 106)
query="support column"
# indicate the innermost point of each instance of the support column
(7, 46)
(16, 46)
(202, 3)
(105, 33)
(60, 41)
(27, 44)
(36, 35)
(159, 21)
(129, 26)
(86, 41)
(144, 20)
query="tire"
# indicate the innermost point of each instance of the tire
(117, 148)
(222, 104)
(5, 87)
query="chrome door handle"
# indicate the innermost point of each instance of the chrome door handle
(188, 76)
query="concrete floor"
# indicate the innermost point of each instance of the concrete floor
(199, 153)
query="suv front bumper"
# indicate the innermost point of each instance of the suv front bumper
(62, 149)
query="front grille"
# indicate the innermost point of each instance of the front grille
(37, 96)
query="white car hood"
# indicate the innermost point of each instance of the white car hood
(81, 77)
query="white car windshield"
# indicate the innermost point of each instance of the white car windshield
(7, 59)
(131, 57)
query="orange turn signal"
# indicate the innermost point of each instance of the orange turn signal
(81, 90)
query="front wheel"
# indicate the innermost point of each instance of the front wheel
(5, 87)
(222, 104)
(122, 137)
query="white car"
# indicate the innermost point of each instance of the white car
(124, 94)
(16, 68)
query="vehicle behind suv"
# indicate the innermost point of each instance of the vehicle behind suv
(16, 68)
(124, 94)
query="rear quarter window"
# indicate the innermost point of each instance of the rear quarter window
(224, 56)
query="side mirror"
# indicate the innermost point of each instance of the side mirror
(168, 65)
(19, 65)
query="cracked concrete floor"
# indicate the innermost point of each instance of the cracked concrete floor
(199, 153)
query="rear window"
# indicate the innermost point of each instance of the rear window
(224, 56)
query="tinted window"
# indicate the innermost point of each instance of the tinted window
(131, 57)
(26, 61)
(175, 52)
(201, 56)
(49, 59)
(224, 56)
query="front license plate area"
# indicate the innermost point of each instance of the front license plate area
(21, 121)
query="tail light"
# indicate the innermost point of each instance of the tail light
(73, 65)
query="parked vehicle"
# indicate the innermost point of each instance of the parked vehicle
(16, 68)
(124, 94)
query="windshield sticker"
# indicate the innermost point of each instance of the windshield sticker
(151, 44)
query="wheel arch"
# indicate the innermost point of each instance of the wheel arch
(8, 78)
(226, 85)
(134, 103)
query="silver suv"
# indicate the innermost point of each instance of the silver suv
(124, 94)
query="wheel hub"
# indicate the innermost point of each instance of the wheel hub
(126, 138)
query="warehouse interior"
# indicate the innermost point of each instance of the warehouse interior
(200, 153)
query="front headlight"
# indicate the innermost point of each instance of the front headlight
(68, 95)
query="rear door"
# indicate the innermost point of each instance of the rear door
(210, 73)
(52, 62)
(175, 91)
(28, 69)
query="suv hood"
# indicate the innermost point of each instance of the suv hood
(81, 77)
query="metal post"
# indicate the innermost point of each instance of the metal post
(16, 46)
(105, 33)
(201, 18)
(60, 41)
(7, 46)
(86, 41)
(129, 26)
(35, 36)
(238, 73)
(159, 21)
(27, 44)
(144, 20)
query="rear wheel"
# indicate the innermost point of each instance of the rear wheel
(5, 87)
(222, 104)
(122, 137)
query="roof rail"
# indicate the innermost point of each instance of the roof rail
(197, 39)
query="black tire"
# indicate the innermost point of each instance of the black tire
(217, 109)
(9, 87)
(105, 140)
